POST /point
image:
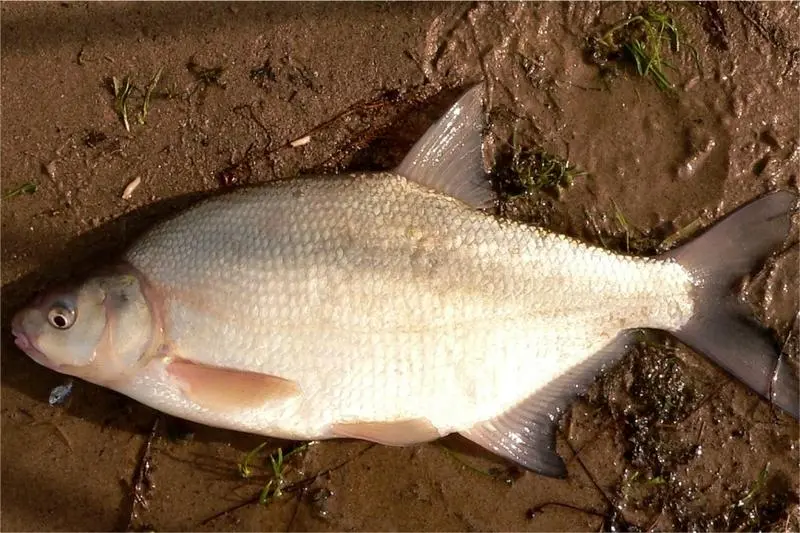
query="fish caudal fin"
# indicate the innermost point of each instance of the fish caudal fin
(722, 327)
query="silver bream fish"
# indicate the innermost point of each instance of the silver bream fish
(390, 307)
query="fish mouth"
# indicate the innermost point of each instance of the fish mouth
(24, 343)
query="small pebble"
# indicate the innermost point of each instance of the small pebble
(128, 192)
(50, 169)
(301, 141)
(60, 393)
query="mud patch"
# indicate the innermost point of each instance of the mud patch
(666, 441)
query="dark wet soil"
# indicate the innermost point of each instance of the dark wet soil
(665, 441)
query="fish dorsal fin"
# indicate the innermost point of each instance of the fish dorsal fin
(449, 156)
(526, 434)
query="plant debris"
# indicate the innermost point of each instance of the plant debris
(529, 180)
(769, 503)
(124, 90)
(206, 76)
(26, 188)
(506, 474)
(143, 478)
(94, 138)
(263, 74)
(272, 72)
(148, 94)
(654, 400)
(639, 41)
(237, 172)
(525, 171)
(656, 395)
(714, 24)
(618, 233)
(294, 487)
(273, 488)
(245, 470)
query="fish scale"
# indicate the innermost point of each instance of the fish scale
(446, 316)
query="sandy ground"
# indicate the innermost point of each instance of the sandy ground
(667, 441)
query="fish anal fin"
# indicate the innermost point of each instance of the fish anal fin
(394, 433)
(526, 434)
(448, 158)
(521, 438)
(224, 389)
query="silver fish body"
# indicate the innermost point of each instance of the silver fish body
(386, 301)
(390, 307)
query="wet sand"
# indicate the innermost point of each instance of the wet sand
(665, 441)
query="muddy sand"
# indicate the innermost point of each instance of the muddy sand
(665, 441)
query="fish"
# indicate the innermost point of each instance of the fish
(396, 307)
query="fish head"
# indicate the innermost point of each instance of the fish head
(100, 330)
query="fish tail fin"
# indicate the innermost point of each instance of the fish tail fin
(722, 327)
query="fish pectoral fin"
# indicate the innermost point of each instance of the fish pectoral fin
(526, 433)
(228, 389)
(396, 433)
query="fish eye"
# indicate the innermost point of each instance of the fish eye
(61, 317)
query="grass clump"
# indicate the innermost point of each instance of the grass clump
(537, 169)
(127, 95)
(640, 41)
(245, 466)
(273, 488)
(765, 505)
(529, 181)
(524, 171)
(768, 503)
(620, 234)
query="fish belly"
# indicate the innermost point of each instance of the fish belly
(385, 302)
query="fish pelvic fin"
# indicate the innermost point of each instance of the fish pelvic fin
(448, 158)
(723, 327)
(526, 433)
(393, 433)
